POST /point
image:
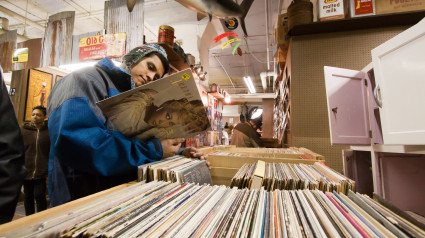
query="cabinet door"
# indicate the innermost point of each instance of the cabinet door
(346, 93)
(399, 66)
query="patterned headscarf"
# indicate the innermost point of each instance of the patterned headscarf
(135, 55)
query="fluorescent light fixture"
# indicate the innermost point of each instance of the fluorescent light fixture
(249, 84)
(73, 67)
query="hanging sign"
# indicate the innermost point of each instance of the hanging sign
(231, 23)
(98, 47)
(20, 55)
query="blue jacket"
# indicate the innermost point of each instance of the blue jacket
(87, 154)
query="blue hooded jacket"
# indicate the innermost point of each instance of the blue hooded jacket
(87, 154)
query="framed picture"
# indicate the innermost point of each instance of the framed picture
(39, 86)
(58, 77)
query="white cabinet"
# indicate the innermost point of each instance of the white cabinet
(381, 111)
(399, 66)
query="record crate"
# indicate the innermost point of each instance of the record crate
(225, 161)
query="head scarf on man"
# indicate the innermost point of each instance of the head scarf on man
(135, 55)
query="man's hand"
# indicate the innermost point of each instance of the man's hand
(171, 146)
(193, 152)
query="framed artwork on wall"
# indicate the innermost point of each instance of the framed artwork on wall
(39, 86)
(57, 78)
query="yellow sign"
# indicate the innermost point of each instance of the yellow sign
(229, 42)
(20, 55)
(185, 76)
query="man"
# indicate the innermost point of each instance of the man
(87, 153)
(245, 134)
(12, 157)
(37, 147)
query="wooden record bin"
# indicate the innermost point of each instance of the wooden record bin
(223, 167)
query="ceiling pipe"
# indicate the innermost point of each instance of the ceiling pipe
(267, 34)
(230, 79)
(73, 4)
(21, 18)
(266, 77)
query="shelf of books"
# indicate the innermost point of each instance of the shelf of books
(268, 196)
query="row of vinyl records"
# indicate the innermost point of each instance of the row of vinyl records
(176, 169)
(290, 176)
(164, 209)
(264, 152)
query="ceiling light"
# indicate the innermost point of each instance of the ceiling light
(249, 84)
(227, 98)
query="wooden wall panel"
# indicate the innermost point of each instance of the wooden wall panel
(57, 46)
(7, 45)
(34, 54)
(19, 84)
(268, 105)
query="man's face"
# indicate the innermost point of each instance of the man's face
(37, 117)
(146, 70)
(164, 118)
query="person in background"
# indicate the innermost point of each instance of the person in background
(245, 134)
(37, 146)
(12, 156)
(225, 137)
(87, 153)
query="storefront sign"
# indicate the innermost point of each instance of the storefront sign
(98, 47)
(20, 55)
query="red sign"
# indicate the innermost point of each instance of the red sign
(98, 47)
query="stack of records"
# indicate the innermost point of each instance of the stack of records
(176, 169)
(224, 153)
(287, 176)
(163, 209)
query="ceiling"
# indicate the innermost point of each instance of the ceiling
(29, 18)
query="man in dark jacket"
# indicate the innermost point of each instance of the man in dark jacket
(245, 134)
(37, 146)
(12, 170)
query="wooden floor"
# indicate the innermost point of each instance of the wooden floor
(20, 209)
(19, 212)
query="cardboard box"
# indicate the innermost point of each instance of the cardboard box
(359, 8)
(282, 31)
(332, 9)
(224, 167)
(395, 6)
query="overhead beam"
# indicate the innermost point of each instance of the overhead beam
(20, 38)
(21, 18)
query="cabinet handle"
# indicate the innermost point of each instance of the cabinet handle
(335, 110)
(377, 95)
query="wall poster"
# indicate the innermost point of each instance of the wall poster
(39, 86)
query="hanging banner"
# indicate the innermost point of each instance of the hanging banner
(20, 55)
(98, 47)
